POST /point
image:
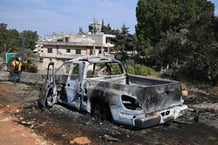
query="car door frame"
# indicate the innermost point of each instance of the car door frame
(72, 86)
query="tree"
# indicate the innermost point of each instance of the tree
(13, 41)
(28, 39)
(106, 29)
(155, 17)
(180, 35)
(124, 41)
(121, 38)
(131, 42)
(202, 63)
(171, 50)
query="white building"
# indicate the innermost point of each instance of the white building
(61, 47)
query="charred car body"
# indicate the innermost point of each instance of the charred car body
(102, 87)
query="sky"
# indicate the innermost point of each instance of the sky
(55, 16)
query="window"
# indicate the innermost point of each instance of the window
(68, 50)
(75, 72)
(60, 40)
(66, 39)
(78, 51)
(104, 69)
(62, 73)
(49, 50)
(41, 59)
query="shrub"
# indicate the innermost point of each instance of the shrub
(30, 66)
(138, 69)
(130, 69)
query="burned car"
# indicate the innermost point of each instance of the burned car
(101, 86)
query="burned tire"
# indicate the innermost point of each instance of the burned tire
(100, 111)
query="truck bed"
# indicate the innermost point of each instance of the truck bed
(155, 94)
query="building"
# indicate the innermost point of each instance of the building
(61, 47)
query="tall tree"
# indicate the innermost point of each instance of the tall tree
(155, 17)
(124, 41)
(202, 63)
(106, 29)
(12, 40)
(28, 39)
(121, 38)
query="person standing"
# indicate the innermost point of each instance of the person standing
(17, 65)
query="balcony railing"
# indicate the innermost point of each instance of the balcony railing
(77, 44)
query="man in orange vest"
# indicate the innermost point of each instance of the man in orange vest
(17, 65)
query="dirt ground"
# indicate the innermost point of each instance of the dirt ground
(23, 123)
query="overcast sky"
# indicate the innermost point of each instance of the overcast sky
(48, 16)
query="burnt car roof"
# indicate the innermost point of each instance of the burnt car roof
(93, 59)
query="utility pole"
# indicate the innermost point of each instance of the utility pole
(23, 46)
(3, 27)
(93, 31)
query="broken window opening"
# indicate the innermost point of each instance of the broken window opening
(75, 72)
(62, 73)
(130, 103)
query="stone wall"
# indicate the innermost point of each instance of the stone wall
(4, 75)
(26, 77)
(32, 77)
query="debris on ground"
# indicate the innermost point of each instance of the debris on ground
(20, 116)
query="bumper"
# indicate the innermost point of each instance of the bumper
(160, 117)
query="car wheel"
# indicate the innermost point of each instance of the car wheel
(98, 112)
